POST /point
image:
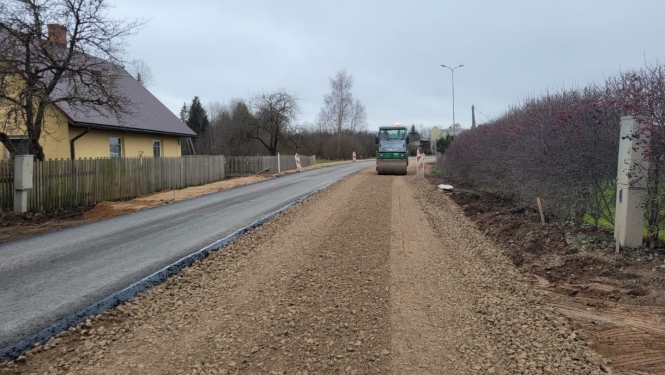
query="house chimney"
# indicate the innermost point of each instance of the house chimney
(57, 34)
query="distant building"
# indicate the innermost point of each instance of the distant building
(424, 145)
(451, 131)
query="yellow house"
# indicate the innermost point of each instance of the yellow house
(150, 130)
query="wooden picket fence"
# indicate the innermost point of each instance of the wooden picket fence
(6, 186)
(67, 183)
(235, 165)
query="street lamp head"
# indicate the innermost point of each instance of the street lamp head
(446, 66)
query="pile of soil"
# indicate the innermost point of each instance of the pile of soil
(607, 295)
(10, 219)
(566, 257)
(105, 210)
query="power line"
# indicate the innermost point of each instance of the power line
(482, 114)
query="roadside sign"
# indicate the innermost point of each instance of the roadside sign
(435, 132)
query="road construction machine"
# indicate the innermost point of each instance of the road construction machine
(392, 157)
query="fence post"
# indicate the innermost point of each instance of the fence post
(631, 184)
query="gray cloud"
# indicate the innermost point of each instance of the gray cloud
(393, 49)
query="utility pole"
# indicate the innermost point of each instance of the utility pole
(473, 117)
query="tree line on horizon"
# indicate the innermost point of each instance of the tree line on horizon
(267, 123)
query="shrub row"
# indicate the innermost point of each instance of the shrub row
(563, 146)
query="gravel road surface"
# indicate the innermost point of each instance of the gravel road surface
(51, 276)
(376, 275)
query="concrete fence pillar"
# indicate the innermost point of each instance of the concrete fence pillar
(631, 184)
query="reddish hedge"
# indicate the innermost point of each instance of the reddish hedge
(563, 147)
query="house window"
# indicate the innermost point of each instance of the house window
(116, 147)
(21, 145)
(157, 148)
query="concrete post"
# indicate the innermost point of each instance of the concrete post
(629, 215)
(22, 181)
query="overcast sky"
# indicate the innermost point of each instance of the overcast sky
(219, 50)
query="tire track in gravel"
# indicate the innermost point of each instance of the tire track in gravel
(430, 319)
(332, 316)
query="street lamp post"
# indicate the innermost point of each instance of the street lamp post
(452, 73)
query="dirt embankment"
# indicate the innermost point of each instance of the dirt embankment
(618, 301)
(104, 210)
(376, 275)
(15, 226)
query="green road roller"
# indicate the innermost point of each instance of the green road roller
(392, 157)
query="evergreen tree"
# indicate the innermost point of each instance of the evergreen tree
(197, 120)
(184, 113)
(413, 132)
(186, 144)
(443, 143)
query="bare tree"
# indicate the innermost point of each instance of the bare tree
(296, 137)
(75, 63)
(340, 110)
(232, 126)
(140, 70)
(275, 113)
(424, 131)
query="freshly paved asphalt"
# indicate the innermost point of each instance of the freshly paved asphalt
(51, 276)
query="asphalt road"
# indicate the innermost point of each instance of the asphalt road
(51, 276)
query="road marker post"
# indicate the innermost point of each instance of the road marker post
(354, 156)
(420, 165)
(298, 165)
